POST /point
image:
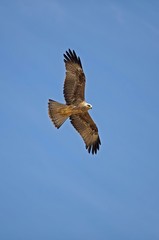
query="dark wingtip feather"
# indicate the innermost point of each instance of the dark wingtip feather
(94, 147)
(70, 56)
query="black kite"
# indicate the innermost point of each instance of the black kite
(76, 108)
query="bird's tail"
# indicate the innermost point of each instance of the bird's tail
(58, 112)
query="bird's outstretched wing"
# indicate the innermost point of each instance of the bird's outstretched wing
(74, 85)
(88, 130)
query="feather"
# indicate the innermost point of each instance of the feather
(74, 85)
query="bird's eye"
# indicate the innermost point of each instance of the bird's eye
(89, 106)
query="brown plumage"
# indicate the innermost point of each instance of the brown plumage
(76, 107)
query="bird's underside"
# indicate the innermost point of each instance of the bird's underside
(59, 112)
(75, 108)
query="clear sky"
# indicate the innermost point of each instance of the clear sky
(50, 187)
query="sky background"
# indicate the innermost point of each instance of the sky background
(50, 187)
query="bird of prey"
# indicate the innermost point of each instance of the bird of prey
(76, 108)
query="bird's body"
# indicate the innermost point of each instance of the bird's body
(76, 108)
(59, 112)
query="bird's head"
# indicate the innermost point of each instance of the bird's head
(89, 106)
(86, 105)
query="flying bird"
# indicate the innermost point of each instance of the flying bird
(76, 108)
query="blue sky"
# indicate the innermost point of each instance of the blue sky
(51, 188)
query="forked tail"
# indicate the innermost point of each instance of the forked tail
(57, 112)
